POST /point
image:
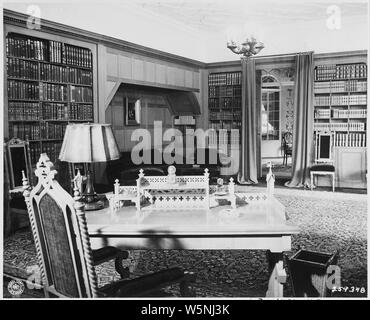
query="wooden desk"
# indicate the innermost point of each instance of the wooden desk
(258, 222)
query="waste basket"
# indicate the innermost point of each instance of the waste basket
(309, 272)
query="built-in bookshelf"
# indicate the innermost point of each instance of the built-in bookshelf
(50, 84)
(340, 102)
(224, 102)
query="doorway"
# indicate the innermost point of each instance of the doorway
(272, 143)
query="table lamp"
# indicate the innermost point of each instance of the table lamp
(89, 143)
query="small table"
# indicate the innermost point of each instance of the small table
(258, 223)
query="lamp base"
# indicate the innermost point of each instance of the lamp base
(97, 205)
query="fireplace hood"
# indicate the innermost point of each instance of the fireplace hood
(183, 103)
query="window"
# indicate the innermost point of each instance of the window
(270, 109)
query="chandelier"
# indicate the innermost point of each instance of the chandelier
(248, 48)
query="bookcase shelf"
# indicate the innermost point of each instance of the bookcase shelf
(50, 84)
(224, 102)
(340, 92)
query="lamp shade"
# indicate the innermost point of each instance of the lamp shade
(89, 142)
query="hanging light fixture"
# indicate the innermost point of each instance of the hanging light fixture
(248, 48)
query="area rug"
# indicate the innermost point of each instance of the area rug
(327, 221)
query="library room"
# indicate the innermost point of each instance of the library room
(171, 149)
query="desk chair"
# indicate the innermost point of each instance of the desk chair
(62, 243)
(324, 163)
(287, 146)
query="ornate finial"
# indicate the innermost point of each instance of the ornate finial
(141, 173)
(45, 171)
(270, 179)
(171, 170)
(248, 48)
(78, 204)
(26, 185)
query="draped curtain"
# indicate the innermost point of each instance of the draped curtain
(303, 121)
(248, 161)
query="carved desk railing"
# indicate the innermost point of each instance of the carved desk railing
(174, 192)
(184, 192)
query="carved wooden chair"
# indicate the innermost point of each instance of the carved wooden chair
(287, 146)
(62, 243)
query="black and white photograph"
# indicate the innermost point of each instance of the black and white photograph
(184, 150)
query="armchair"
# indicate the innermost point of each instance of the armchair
(62, 243)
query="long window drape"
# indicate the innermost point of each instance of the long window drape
(248, 161)
(303, 121)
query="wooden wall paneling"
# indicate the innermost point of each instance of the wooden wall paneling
(150, 75)
(189, 78)
(112, 65)
(160, 73)
(125, 67)
(170, 75)
(138, 70)
(351, 167)
(179, 77)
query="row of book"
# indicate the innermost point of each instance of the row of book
(222, 79)
(350, 140)
(23, 90)
(225, 115)
(56, 73)
(224, 103)
(52, 149)
(53, 92)
(52, 130)
(341, 100)
(354, 99)
(26, 48)
(225, 91)
(35, 151)
(353, 113)
(80, 76)
(223, 138)
(81, 112)
(22, 69)
(55, 52)
(77, 56)
(225, 125)
(25, 131)
(23, 110)
(80, 94)
(340, 86)
(44, 50)
(344, 71)
(322, 113)
(351, 126)
(55, 111)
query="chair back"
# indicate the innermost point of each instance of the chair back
(287, 140)
(324, 147)
(60, 232)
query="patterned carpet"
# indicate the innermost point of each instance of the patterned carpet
(327, 221)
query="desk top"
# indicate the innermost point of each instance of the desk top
(250, 218)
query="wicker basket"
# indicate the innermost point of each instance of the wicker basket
(308, 273)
